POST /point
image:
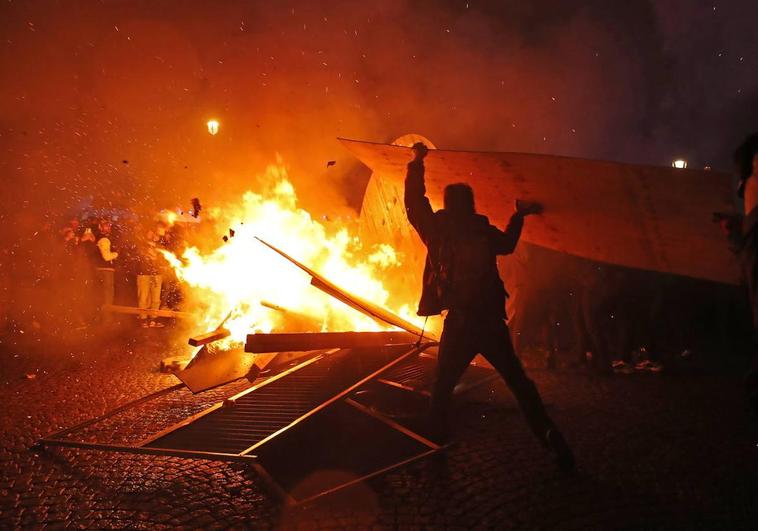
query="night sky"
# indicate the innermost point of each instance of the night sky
(106, 102)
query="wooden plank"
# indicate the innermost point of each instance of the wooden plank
(209, 337)
(261, 343)
(368, 308)
(646, 217)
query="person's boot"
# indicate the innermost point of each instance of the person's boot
(564, 457)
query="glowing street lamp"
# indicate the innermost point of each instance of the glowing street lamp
(213, 126)
(679, 163)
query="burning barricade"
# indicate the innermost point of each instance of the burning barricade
(248, 284)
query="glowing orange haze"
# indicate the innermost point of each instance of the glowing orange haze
(241, 273)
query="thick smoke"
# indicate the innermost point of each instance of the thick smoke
(104, 103)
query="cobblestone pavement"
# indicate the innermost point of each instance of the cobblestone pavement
(667, 451)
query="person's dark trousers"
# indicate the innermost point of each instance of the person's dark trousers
(465, 335)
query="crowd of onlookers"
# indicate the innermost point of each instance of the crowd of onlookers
(617, 319)
(107, 256)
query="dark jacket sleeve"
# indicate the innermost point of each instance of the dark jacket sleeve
(504, 242)
(417, 206)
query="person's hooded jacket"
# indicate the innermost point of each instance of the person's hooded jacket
(460, 272)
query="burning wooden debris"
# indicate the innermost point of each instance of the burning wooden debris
(212, 366)
(368, 308)
(214, 335)
(209, 337)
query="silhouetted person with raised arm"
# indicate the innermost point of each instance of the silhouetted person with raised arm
(461, 276)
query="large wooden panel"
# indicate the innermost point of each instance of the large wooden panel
(647, 217)
(383, 220)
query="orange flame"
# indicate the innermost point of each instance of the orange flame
(244, 277)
